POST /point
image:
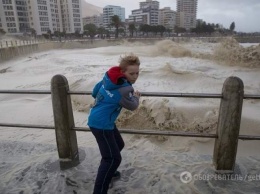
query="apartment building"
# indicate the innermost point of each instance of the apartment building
(139, 17)
(111, 10)
(14, 16)
(44, 15)
(71, 15)
(167, 17)
(148, 13)
(151, 7)
(20, 16)
(186, 13)
(96, 19)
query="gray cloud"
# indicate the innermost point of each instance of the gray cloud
(245, 14)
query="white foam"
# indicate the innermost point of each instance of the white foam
(152, 164)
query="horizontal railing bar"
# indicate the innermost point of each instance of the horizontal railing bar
(151, 132)
(248, 137)
(25, 92)
(26, 126)
(80, 92)
(152, 94)
(170, 133)
(190, 95)
(251, 96)
(162, 94)
(129, 131)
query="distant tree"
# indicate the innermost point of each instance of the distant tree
(121, 31)
(63, 34)
(2, 32)
(58, 34)
(161, 29)
(169, 31)
(145, 28)
(101, 31)
(90, 30)
(116, 22)
(179, 29)
(131, 29)
(107, 34)
(49, 34)
(77, 33)
(33, 32)
(232, 26)
(202, 27)
(152, 29)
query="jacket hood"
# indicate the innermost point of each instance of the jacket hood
(112, 77)
(114, 73)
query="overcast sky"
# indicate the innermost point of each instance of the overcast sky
(245, 13)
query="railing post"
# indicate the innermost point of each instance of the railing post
(64, 122)
(225, 150)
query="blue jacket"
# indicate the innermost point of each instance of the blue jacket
(109, 100)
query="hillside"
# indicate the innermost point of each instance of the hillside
(90, 10)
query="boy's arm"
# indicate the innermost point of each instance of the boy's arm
(128, 100)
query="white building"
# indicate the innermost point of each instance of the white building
(19, 16)
(71, 15)
(14, 16)
(139, 17)
(151, 7)
(167, 18)
(111, 10)
(96, 19)
(148, 13)
(186, 13)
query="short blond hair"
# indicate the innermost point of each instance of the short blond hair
(128, 60)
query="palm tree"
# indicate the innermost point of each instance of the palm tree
(116, 22)
(132, 28)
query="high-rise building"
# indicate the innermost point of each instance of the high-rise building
(111, 10)
(44, 16)
(148, 13)
(167, 17)
(14, 16)
(151, 7)
(71, 15)
(20, 16)
(186, 13)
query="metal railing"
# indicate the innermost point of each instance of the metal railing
(129, 131)
(228, 129)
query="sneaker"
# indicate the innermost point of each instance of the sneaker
(116, 175)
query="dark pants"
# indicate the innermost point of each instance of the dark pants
(110, 144)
